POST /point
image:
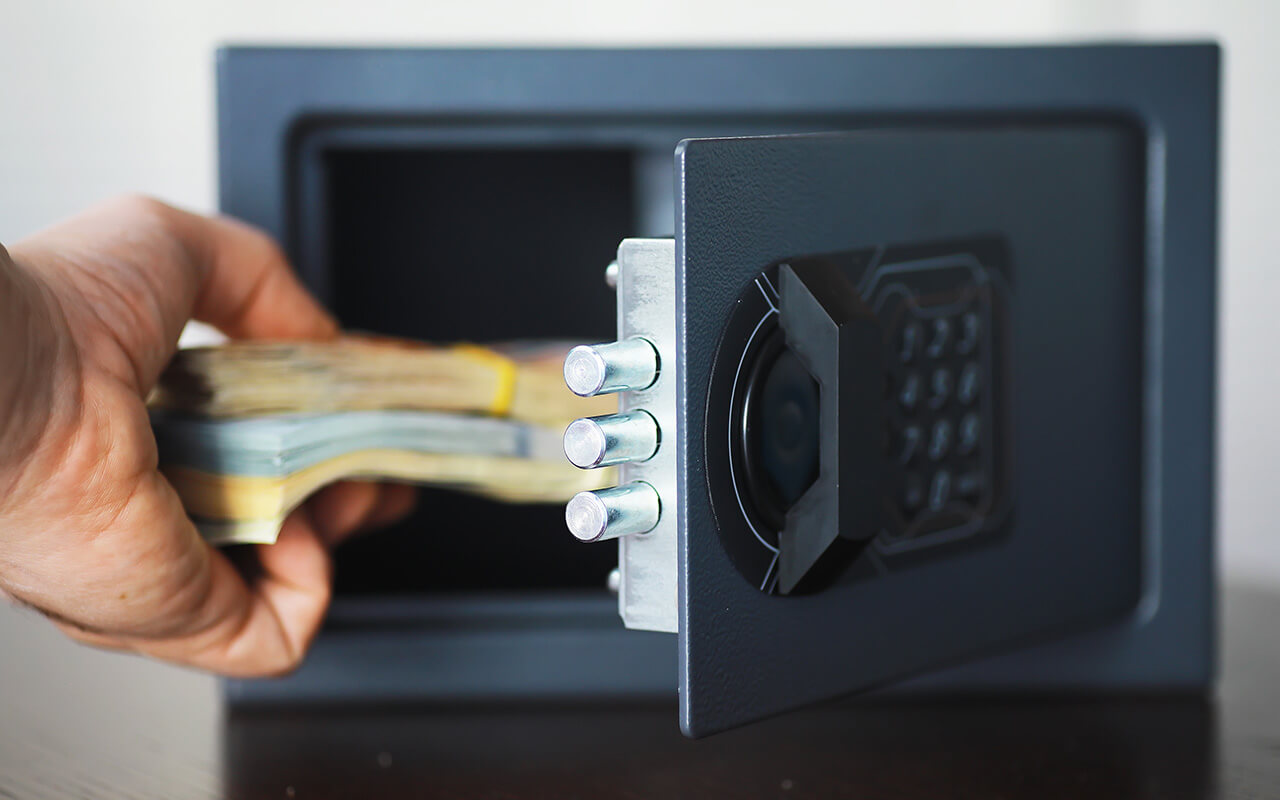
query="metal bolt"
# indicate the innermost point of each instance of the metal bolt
(627, 365)
(603, 441)
(610, 513)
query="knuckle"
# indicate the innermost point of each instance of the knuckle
(271, 254)
(282, 662)
(141, 206)
(254, 239)
(286, 665)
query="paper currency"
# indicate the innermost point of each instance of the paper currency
(522, 381)
(241, 509)
(247, 430)
(280, 445)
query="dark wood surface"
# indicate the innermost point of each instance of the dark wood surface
(142, 733)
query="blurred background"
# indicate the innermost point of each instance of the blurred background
(100, 98)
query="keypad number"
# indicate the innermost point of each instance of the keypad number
(939, 420)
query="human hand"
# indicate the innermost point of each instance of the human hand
(91, 534)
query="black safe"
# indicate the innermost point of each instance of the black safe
(936, 335)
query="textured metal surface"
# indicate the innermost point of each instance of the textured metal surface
(1072, 202)
(646, 307)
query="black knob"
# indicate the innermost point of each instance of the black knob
(839, 341)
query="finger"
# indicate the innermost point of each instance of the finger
(247, 289)
(189, 604)
(396, 502)
(296, 583)
(263, 628)
(146, 268)
(341, 509)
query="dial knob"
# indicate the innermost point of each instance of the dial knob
(609, 513)
(628, 365)
(612, 439)
(838, 339)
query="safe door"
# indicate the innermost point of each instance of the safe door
(880, 407)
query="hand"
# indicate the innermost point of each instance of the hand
(91, 534)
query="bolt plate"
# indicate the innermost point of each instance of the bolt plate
(647, 308)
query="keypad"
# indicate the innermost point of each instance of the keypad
(940, 332)
(939, 419)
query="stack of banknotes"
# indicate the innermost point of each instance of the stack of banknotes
(247, 430)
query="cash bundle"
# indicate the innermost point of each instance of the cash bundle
(246, 431)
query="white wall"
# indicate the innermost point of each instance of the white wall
(1249, 283)
(99, 97)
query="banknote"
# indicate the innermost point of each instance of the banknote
(246, 431)
(277, 445)
(230, 509)
(521, 380)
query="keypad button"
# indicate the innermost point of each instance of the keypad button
(968, 484)
(909, 392)
(970, 333)
(911, 441)
(970, 434)
(939, 490)
(940, 385)
(940, 439)
(912, 493)
(939, 338)
(970, 384)
(909, 342)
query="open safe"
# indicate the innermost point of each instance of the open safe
(930, 378)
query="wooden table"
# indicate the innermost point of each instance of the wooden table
(120, 728)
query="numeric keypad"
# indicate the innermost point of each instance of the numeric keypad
(940, 333)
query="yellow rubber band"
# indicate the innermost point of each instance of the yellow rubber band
(507, 373)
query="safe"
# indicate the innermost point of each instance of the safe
(914, 351)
